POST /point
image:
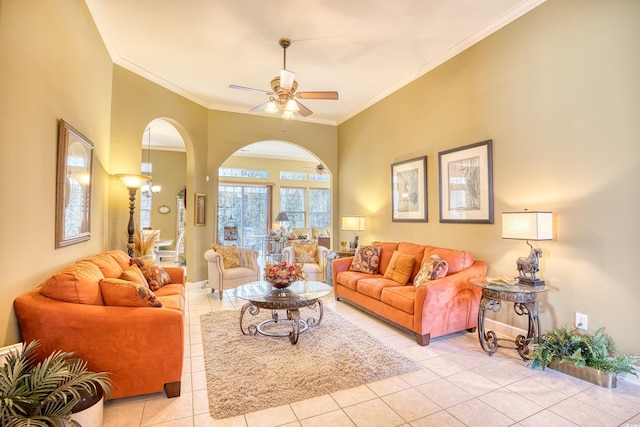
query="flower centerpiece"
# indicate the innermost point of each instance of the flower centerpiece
(281, 275)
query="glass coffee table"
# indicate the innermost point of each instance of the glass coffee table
(265, 295)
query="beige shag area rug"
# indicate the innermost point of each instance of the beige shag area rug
(248, 373)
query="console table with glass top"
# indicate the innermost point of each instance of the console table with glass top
(297, 295)
(524, 302)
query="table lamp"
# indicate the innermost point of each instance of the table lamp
(353, 223)
(528, 225)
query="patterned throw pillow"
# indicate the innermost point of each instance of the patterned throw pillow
(432, 268)
(154, 274)
(134, 274)
(305, 252)
(124, 293)
(366, 259)
(230, 255)
(400, 267)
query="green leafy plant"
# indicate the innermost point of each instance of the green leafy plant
(593, 350)
(43, 394)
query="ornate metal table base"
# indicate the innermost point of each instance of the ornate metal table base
(291, 305)
(524, 304)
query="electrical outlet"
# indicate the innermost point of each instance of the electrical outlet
(581, 321)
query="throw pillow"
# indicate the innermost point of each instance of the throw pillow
(76, 283)
(154, 274)
(134, 274)
(230, 255)
(124, 293)
(305, 252)
(400, 267)
(366, 259)
(432, 268)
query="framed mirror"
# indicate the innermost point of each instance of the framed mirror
(73, 188)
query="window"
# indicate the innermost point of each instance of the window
(319, 177)
(244, 173)
(293, 176)
(247, 207)
(319, 208)
(292, 201)
(146, 203)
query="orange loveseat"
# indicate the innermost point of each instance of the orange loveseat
(141, 347)
(439, 307)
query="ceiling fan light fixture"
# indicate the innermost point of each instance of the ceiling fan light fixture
(271, 107)
(292, 106)
(288, 115)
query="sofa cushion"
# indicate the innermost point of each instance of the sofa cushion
(458, 260)
(366, 259)
(155, 275)
(372, 287)
(230, 255)
(418, 253)
(121, 257)
(107, 265)
(432, 268)
(306, 252)
(124, 293)
(319, 232)
(401, 297)
(349, 279)
(78, 283)
(400, 267)
(134, 274)
(386, 252)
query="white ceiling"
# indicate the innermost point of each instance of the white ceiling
(364, 49)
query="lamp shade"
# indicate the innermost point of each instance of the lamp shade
(133, 181)
(282, 216)
(353, 223)
(527, 225)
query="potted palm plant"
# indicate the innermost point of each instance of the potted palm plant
(45, 393)
(590, 357)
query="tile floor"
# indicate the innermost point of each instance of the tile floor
(460, 385)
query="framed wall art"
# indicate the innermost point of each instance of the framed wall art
(409, 190)
(466, 184)
(73, 187)
(200, 209)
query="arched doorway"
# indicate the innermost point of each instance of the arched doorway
(164, 158)
(265, 178)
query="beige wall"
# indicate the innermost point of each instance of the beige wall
(558, 92)
(54, 66)
(169, 171)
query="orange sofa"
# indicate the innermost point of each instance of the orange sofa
(142, 347)
(439, 307)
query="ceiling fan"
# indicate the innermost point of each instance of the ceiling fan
(283, 94)
(319, 169)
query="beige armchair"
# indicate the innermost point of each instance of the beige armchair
(313, 270)
(222, 278)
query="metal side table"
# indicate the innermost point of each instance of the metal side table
(523, 298)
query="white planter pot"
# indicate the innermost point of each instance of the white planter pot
(90, 417)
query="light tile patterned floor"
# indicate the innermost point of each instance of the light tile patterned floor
(460, 385)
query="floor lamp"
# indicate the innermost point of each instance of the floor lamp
(132, 182)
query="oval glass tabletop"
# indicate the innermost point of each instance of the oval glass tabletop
(265, 292)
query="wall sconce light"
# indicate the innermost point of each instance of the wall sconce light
(132, 182)
(353, 223)
(528, 225)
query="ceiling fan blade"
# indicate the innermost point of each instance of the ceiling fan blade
(286, 79)
(250, 89)
(303, 111)
(259, 107)
(317, 95)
